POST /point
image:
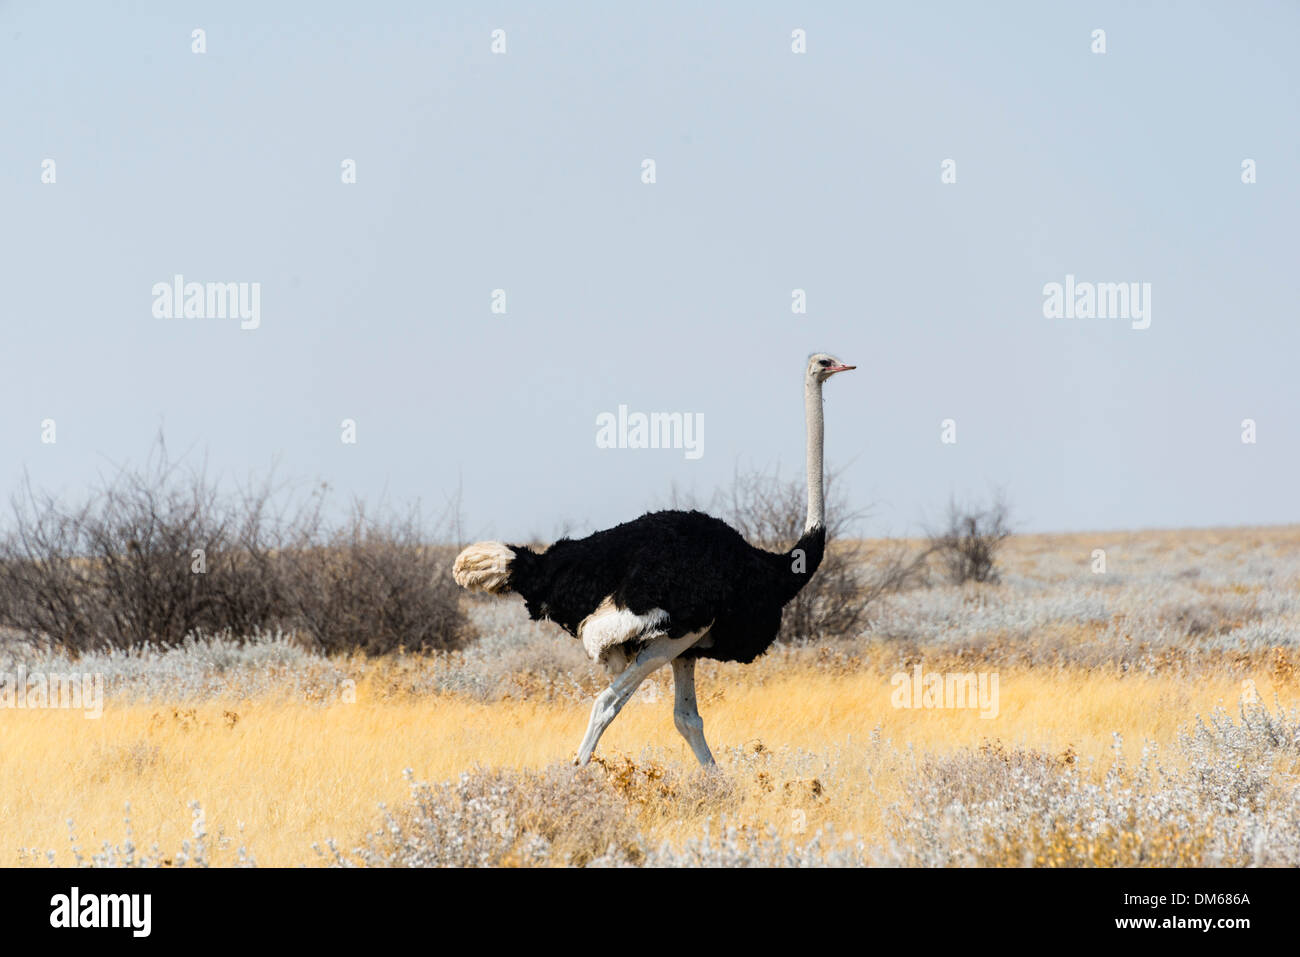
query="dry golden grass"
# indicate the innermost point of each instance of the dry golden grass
(293, 773)
(807, 738)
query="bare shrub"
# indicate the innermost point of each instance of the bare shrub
(967, 544)
(118, 568)
(373, 585)
(894, 566)
(156, 553)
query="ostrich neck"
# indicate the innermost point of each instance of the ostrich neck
(812, 403)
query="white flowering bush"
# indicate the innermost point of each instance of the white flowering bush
(1230, 798)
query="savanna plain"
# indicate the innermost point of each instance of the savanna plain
(1144, 715)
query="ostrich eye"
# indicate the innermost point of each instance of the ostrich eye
(824, 363)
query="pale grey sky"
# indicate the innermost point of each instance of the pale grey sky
(775, 171)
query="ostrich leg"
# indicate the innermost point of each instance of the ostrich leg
(610, 701)
(686, 714)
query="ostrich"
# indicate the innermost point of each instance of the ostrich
(670, 586)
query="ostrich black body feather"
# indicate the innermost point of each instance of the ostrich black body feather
(695, 567)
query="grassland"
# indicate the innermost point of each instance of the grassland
(1146, 715)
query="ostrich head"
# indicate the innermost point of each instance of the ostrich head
(822, 366)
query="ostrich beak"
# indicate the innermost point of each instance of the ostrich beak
(833, 369)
